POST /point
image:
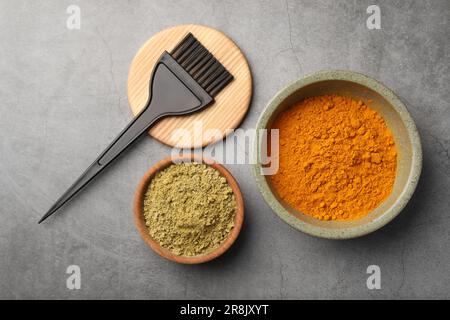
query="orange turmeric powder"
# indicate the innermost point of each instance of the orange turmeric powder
(337, 158)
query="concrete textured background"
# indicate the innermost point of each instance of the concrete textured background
(64, 98)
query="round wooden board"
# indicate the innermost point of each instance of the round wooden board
(230, 105)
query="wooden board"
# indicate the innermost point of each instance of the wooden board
(230, 105)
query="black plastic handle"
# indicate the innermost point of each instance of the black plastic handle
(169, 95)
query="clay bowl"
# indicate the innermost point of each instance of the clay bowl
(397, 118)
(165, 253)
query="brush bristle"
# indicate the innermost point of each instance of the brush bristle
(201, 65)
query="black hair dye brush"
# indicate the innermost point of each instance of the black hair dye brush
(182, 82)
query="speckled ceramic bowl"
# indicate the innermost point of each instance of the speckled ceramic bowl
(394, 112)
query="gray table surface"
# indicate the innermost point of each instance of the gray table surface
(64, 98)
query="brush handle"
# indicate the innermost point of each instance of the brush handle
(173, 92)
(132, 131)
(140, 124)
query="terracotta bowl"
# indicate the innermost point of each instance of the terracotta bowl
(397, 118)
(163, 252)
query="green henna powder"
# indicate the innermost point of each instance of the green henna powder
(189, 208)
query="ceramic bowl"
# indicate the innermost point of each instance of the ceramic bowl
(163, 252)
(397, 118)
